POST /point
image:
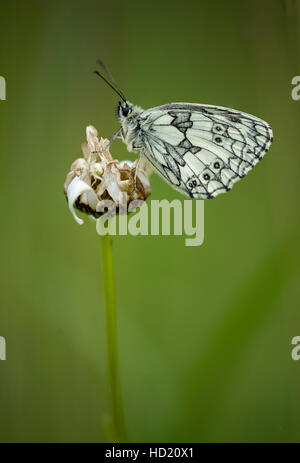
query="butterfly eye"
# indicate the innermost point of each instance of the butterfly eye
(126, 110)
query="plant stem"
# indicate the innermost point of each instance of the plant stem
(117, 418)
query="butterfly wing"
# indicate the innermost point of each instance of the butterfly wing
(202, 150)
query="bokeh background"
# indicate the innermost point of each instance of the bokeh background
(204, 333)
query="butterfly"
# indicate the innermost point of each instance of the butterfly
(198, 149)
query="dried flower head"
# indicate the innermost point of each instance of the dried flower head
(98, 177)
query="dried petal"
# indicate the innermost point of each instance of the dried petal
(80, 190)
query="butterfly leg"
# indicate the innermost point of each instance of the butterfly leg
(136, 170)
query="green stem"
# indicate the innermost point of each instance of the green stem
(117, 418)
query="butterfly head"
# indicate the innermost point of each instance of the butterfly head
(124, 110)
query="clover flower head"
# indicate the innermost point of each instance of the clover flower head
(97, 177)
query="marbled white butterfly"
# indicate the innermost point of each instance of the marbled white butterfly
(200, 150)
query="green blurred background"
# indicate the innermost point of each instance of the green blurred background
(204, 333)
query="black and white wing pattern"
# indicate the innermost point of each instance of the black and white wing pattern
(202, 150)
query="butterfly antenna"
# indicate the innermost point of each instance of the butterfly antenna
(109, 75)
(111, 82)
